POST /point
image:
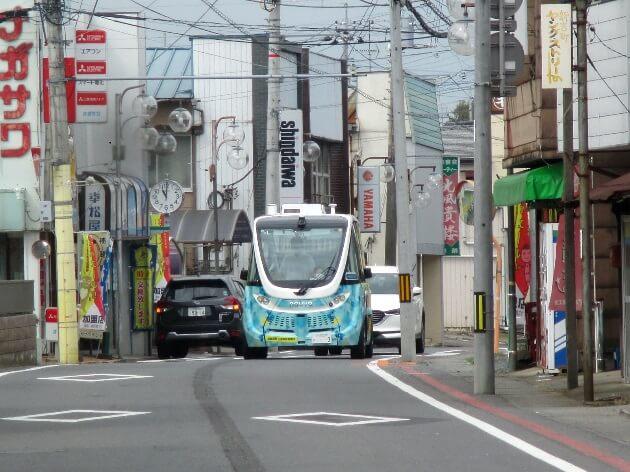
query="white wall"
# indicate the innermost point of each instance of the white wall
(608, 115)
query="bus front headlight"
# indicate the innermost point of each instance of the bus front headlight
(262, 300)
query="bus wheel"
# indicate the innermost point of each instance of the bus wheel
(255, 353)
(321, 351)
(335, 351)
(360, 350)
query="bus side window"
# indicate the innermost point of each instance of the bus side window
(252, 277)
(357, 235)
(353, 265)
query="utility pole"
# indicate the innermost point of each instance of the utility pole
(390, 203)
(585, 204)
(406, 255)
(484, 330)
(62, 189)
(272, 192)
(569, 239)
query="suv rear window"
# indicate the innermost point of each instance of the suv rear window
(383, 283)
(201, 290)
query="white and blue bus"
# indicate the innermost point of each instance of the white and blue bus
(306, 284)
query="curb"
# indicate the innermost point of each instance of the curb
(625, 412)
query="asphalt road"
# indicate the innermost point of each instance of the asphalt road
(212, 414)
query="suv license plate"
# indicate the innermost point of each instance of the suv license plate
(197, 311)
(320, 338)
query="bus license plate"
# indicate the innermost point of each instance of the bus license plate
(320, 338)
(201, 311)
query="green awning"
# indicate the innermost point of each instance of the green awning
(543, 183)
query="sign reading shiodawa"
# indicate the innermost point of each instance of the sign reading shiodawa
(19, 118)
(369, 190)
(450, 176)
(555, 33)
(90, 49)
(291, 162)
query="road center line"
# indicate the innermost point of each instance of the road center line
(513, 441)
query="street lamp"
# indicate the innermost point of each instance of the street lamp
(180, 120)
(434, 182)
(166, 144)
(461, 37)
(311, 151)
(148, 137)
(423, 199)
(237, 159)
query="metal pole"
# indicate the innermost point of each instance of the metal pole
(483, 341)
(215, 160)
(585, 207)
(272, 192)
(511, 290)
(405, 255)
(62, 192)
(569, 239)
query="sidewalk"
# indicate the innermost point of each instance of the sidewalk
(537, 393)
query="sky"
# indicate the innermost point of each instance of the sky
(170, 22)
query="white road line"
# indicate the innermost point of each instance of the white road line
(96, 377)
(501, 435)
(2, 374)
(100, 415)
(361, 419)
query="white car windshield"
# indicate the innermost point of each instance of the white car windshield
(293, 257)
(383, 284)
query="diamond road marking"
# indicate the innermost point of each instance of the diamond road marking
(185, 359)
(353, 420)
(96, 377)
(88, 415)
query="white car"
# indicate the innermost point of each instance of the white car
(386, 308)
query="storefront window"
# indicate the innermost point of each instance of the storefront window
(11, 257)
(320, 178)
(176, 166)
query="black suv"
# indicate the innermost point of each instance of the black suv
(199, 310)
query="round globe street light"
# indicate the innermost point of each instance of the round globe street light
(388, 173)
(234, 133)
(461, 37)
(423, 199)
(145, 105)
(434, 181)
(460, 10)
(166, 144)
(148, 137)
(180, 120)
(238, 158)
(311, 151)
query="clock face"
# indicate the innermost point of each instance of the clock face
(166, 196)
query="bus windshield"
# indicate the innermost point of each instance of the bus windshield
(295, 257)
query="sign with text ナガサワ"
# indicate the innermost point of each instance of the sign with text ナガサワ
(555, 40)
(291, 164)
(369, 191)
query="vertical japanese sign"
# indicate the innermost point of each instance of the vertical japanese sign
(369, 190)
(95, 269)
(291, 162)
(555, 34)
(95, 207)
(142, 287)
(91, 67)
(19, 93)
(161, 240)
(522, 258)
(450, 176)
(557, 301)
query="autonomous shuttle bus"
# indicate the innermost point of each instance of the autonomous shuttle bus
(306, 284)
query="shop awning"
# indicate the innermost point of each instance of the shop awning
(198, 227)
(543, 183)
(608, 189)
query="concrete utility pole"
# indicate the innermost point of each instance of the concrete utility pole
(62, 189)
(484, 332)
(406, 255)
(585, 204)
(272, 192)
(569, 239)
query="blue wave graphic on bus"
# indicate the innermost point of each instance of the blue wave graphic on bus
(304, 322)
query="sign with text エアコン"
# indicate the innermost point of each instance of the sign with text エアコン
(291, 163)
(369, 190)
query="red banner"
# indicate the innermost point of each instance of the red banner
(557, 301)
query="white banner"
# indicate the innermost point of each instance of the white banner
(291, 163)
(555, 31)
(369, 189)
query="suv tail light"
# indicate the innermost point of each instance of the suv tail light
(231, 303)
(161, 307)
